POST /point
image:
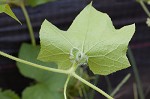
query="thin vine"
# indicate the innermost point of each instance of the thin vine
(136, 73)
(144, 7)
(28, 24)
(70, 72)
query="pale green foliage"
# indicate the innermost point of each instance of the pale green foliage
(54, 46)
(8, 94)
(49, 85)
(94, 35)
(4, 8)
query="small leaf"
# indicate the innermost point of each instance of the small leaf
(49, 85)
(53, 90)
(8, 94)
(93, 34)
(4, 8)
(37, 2)
(30, 53)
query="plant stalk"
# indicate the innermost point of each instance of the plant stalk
(65, 87)
(135, 70)
(135, 91)
(34, 65)
(93, 91)
(91, 85)
(121, 84)
(28, 24)
(108, 84)
(144, 8)
(68, 72)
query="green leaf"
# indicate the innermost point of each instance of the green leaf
(49, 85)
(30, 53)
(42, 91)
(8, 94)
(94, 36)
(37, 2)
(5, 8)
(5, 1)
(32, 3)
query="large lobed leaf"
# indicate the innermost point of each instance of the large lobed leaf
(48, 85)
(93, 34)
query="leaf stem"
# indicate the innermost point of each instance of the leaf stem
(95, 83)
(34, 65)
(65, 86)
(91, 85)
(28, 24)
(120, 84)
(144, 7)
(70, 72)
(135, 91)
(108, 84)
(135, 70)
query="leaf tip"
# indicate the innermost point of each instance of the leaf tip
(19, 22)
(45, 21)
(133, 27)
(91, 3)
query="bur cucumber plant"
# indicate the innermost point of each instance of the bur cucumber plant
(91, 40)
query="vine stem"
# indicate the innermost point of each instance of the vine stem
(144, 7)
(135, 91)
(33, 64)
(28, 24)
(109, 88)
(91, 85)
(70, 72)
(136, 73)
(93, 91)
(65, 86)
(72, 69)
(121, 84)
